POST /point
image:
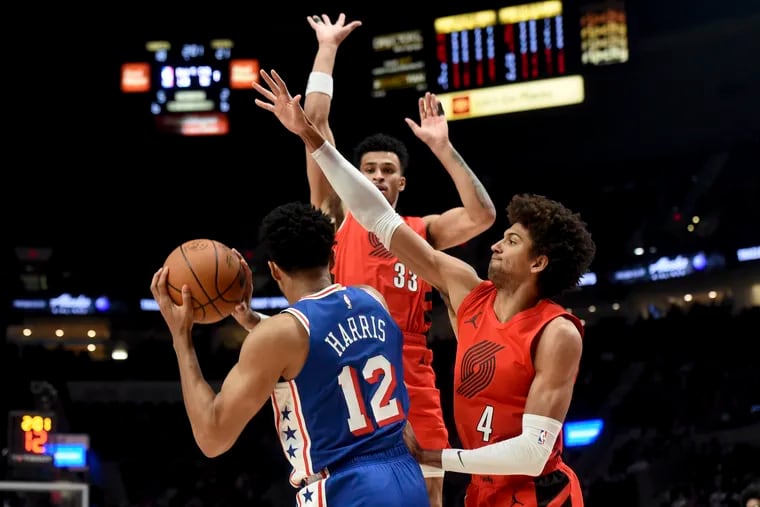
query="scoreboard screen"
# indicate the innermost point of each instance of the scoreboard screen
(500, 47)
(604, 33)
(504, 61)
(400, 62)
(191, 86)
(497, 61)
(191, 77)
(189, 83)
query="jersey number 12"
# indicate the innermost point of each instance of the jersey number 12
(385, 410)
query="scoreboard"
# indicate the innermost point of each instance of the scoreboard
(399, 62)
(504, 60)
(494, 61)
(189, 83)
(500, 47)
(483, 59)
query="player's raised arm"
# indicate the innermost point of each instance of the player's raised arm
(317, 101)
(477, 213)
(448, 274)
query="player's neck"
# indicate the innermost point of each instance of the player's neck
(510, 301)
(307, 285)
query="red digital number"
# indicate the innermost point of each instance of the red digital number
(34, 441)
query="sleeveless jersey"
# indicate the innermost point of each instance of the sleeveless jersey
(349, 399)
(494, 369)
(360, 258)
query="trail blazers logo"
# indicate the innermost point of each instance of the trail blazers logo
(478, 368)
(378, 250)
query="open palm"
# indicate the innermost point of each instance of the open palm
(287, 109)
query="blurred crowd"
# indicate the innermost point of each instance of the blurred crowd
(679, 395)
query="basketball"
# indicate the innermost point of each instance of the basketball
(214, 274)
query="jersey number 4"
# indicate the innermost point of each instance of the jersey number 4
(485, 424)
(385, 410)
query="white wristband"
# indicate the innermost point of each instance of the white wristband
(320, 82)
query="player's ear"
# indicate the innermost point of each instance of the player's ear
(401, 183)
(331, 262)
(274, 269)
(539, 264)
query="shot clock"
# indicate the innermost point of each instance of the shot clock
(28, 434)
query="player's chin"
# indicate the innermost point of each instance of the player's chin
(494, 272)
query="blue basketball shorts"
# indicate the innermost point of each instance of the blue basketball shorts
(385, 479)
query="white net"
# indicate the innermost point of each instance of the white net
(44, 494)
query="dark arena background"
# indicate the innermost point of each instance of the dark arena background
(132, 128)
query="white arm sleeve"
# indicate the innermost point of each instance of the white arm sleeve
(525, 454)
(363, 199)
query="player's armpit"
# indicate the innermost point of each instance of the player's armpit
(333, 207)
(272, 350)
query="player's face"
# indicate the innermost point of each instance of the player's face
(512, 259)
(383, 169)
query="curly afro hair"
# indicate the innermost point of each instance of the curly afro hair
(559, 234)
(297, 236)
(382, 142)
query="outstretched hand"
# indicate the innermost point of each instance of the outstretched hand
(329, 32)
(287, 109)
(433, 128)
(179, 318)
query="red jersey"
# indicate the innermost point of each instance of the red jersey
(360, 258)
(494, 370)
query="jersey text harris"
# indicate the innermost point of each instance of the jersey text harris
(354, 329)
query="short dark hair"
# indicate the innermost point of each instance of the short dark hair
(559, 234)
(382, 142)
(297, 236)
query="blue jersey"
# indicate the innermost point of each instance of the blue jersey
(349, 399)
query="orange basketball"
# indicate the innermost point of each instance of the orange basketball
(214, 274)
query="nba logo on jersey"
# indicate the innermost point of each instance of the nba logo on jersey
(541, 437)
